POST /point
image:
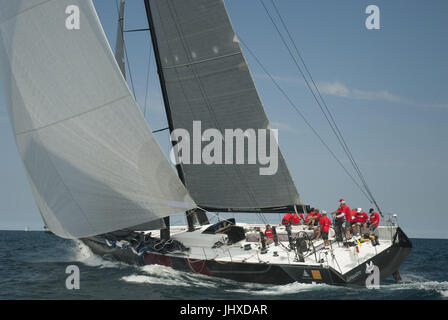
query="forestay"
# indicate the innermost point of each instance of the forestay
(91, 159)
(207, 79)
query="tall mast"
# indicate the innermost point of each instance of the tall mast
(165, 233)
(119, 45)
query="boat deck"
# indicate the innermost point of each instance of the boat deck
(336, 256)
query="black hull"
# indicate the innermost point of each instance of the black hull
(387, 261)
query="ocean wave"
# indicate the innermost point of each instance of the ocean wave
(161, 275)
(286, 289)
(441, 287)
(134, 278)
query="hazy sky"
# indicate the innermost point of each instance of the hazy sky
(387, 90)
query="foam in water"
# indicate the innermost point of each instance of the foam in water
(419, 283)
(291, 288)
(84, 255)
(157, 274)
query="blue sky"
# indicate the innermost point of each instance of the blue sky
(387, 90)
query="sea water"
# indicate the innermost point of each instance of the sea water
(33, 266)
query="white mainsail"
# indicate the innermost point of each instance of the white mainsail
(92, 162)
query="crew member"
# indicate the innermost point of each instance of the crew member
(269, 234)
(287, 218)
(361, 220)
(316, 218)
(341, 212)
(374, 221)
(324, 228)
(295, 219)
(309, 216)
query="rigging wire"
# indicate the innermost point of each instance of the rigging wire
(147, 82)
(129, 69)
(125, 50)
(330, 117)
(297, 110)
(319, 99)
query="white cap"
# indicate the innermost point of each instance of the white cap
(323, 212)
(359, 209)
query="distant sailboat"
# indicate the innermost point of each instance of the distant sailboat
(27, 229)
(98, 174)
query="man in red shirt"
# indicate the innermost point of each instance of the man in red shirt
(295, 219)
(341, 212)
(309, 217)
(269, 234)
(324, 228)
(287, 218)
(361, 220)
(315, 220)
(374, 221)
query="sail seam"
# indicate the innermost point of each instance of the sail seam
(205, 60)
(74, 116)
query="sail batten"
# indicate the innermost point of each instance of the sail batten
(202, 61)
(207, 79)
(90, 157)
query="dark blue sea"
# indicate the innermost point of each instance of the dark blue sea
(33, 266)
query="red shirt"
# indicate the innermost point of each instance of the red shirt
(309, 215)
(375, 218)
(287, 218)
(362, 217)
(295, 219)
(325, 222)
(346, 210)
(318, 215)
(268, 233)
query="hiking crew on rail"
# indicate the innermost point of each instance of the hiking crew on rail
(320, 223)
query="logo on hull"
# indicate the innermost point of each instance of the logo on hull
(305, 275)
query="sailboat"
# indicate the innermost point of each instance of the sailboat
(98, 174)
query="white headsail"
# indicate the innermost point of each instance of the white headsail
(90, 157)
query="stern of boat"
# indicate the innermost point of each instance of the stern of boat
(388, 261)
